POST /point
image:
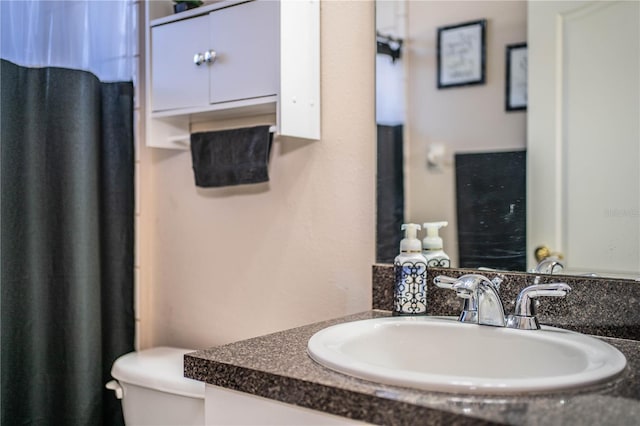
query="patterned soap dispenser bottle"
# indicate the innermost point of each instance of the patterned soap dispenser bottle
(410, 267)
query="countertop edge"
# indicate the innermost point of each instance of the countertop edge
(363, 407)
(277, 367)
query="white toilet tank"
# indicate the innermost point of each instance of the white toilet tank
(154, 391)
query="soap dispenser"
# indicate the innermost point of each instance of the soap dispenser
(410, 267)
(432, 247)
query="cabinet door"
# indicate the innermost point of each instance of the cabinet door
(176, 82)
(246, 40)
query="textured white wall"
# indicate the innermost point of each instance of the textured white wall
(463, 119)
(231, 263)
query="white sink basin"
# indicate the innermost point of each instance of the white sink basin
(442, 354)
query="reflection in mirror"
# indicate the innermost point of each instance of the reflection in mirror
(457, 154)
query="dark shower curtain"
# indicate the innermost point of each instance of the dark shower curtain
(67, 244)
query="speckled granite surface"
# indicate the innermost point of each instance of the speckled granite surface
(277, 366)
(598, 306)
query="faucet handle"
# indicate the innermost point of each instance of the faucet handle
(465, 285)
(550, 289)
(524, 317)
(470, 282)
(443, 281)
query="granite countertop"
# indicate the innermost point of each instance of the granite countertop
(277, 366)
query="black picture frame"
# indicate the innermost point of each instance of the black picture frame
(516, 77)
(461, 54)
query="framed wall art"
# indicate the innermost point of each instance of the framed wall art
(461, 54)
(516, 77)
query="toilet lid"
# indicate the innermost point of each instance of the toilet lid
(158, 368)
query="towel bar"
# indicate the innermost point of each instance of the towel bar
(186, 139)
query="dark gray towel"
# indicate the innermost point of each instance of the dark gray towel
(231, 157)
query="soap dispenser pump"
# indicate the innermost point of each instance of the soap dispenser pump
(410, 267)
(432, 246)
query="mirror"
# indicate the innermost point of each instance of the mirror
(457, 154)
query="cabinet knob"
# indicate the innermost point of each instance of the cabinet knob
(198, 59)
(210, 56)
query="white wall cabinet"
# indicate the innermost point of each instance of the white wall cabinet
(257, 57)
(233, 63)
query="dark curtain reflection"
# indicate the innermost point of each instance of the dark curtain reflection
(389, 193)
(492, 210)
(67, 244)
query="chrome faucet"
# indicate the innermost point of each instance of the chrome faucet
(482, 304)
(548, 265)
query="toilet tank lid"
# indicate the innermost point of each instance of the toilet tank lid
(158, 368)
